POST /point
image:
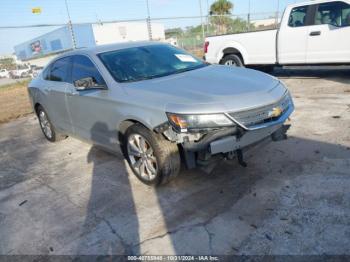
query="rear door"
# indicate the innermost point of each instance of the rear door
(57, 80)
(329, 36)
(293, 35)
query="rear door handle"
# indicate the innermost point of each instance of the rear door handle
(315, 33)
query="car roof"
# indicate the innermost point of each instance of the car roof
(314, 2)
(110, 47)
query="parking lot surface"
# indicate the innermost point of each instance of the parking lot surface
(293, 198)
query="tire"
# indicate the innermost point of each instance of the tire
(232, 60)
(46, 126)
(155, 163)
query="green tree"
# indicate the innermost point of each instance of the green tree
(173, 32)
(219, 11)
(7, 63)
(221, 7)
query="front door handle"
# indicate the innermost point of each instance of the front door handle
(315, 33)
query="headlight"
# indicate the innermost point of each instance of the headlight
(183, 123)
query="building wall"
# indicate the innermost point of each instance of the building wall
(87, 35)
(84, 36)
(264, 22)
(126, 31)
(56, 41)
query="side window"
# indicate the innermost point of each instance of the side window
(345, 15)
(297, 16)
(333, 13)
(46, 73)
(83, 68)
(59, 70)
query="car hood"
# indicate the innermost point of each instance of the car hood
(209, 89)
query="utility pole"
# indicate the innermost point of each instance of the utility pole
(201, 14)
(149, 25)
(277, 12)
(248, 15)
(70, 26)
(208, 10)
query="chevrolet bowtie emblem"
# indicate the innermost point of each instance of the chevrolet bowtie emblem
(275, 112)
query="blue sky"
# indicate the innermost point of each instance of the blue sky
(18, 13)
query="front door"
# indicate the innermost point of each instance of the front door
(292, 37)
(329, 36)
(93, 113)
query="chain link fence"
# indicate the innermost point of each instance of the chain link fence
(187, 32)
(191, 37)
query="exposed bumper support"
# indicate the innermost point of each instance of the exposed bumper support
(231, 146)
(232, 143)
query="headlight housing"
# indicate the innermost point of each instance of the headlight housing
(185, 123)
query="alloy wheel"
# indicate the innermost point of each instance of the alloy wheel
(45, 124)
(142, 157)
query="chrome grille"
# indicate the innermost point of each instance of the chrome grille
(260, 115)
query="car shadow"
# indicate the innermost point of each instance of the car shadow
(120, 208)
(110, 200)
(335, 73)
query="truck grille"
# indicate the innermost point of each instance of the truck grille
(260, 115)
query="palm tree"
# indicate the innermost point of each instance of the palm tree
(220, 8)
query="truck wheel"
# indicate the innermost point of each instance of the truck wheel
(232, 60)
(153, 159)
(46, 126)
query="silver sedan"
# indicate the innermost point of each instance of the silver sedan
(158, 105)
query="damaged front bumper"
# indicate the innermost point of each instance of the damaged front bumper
(203, 147)
(232, 142)
(230, 146)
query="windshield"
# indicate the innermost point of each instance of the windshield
(146, 62)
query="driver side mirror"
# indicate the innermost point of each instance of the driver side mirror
(87, 83)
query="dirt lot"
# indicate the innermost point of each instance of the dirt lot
(293, 198)
(13, 100)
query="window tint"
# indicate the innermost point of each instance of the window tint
(83, 68)
(334, 13)
(297, 16)
(59, 70)
(46, 73)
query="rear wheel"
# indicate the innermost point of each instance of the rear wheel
(232, 60)
(46, 126)
(153, 159)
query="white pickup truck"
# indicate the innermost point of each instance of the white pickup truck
(311, 33)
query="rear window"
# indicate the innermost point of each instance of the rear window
(59, 70)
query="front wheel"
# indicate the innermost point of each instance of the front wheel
(232, 60)
(153, 159)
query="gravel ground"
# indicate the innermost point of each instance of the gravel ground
(293, 198)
